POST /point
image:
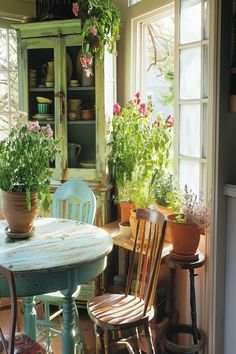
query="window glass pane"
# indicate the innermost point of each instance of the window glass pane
(12, 50)
(4, 125)
(189, 172)
(4, 98)
(190, 73)
(190, 142)
(13, 102)
(205, 71)
(190, 21)
(3, 49)
(206, 19)
(204, 130)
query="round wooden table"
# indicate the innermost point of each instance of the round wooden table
(60, 255)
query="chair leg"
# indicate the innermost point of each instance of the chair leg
(107, 341)
(99, 337)
(79, 335)
(148, 337)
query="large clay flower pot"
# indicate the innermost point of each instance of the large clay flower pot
(185, 239)
(125, 208)
(14, 209)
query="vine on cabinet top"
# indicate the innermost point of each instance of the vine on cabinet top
(100, 27)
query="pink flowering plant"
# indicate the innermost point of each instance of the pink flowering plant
(139, 140)
(24, 160)
(100, 27)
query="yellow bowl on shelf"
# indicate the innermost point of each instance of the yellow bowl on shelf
(87, 114)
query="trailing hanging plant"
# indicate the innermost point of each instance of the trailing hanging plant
(100, 28)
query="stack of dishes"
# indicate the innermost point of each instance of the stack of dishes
(73, 83)
(32, 78)
(45, 116)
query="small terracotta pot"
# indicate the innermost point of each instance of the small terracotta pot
(185, 238)
(125, 208)
(14, 209)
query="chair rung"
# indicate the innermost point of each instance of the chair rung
(56, 314)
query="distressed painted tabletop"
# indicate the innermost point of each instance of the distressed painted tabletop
(56, 244)
(59, 256)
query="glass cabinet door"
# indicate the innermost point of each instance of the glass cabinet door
(80, 112)
(40, 82)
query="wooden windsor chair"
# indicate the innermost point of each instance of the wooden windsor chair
(122, 318)
(72, 200)
(12, 342)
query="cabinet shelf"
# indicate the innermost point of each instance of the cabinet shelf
(81, 122)
(39, 89)
(81, 88)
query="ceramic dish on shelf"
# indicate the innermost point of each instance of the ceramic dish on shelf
(88, 164)
(45, 116)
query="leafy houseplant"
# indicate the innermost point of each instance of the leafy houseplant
(185, 227)
(138, 140)
(24, 167)
(100, 29)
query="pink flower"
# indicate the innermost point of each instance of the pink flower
(18, 115)
(142, 109)
(156, 122)
(88, 72)
(137, 98)
(48, 130)
(116, 109)
(170, 121)
(86, 61)
(93, 30)
(34, 127)
(75, 9)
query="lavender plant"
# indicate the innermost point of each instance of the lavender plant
(194, 210)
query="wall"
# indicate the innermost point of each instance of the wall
(17, 8)
(124, 59)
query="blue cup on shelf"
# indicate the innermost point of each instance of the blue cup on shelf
(42, 108)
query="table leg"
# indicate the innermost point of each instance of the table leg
(68, 337)
(30, 317)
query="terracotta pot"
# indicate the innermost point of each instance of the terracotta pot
(125, 208)
(185, 239)
(19, 218)
(165, 211)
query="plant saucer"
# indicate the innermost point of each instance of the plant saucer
(18, 235)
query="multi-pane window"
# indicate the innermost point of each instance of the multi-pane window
(8, 79)
(192, 92)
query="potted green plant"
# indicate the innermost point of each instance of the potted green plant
(100, 20)
(137, 141)
(25, 173)
(185, 227)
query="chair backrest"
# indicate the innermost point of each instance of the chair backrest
(145, 258)
(7, 347)
(74, 200)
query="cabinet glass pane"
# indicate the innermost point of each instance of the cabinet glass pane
(81, 120)
(190, 21)
(190, 73)
(190, 144)
(189, 173)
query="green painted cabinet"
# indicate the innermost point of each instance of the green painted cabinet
(81, 109)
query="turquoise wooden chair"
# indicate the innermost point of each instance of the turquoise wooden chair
(73, 200)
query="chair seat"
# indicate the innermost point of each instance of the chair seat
(118, 310)
(25, 345)
(57, 295)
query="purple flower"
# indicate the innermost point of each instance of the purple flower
(116, 109)
(48, 130)
(34, 127)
